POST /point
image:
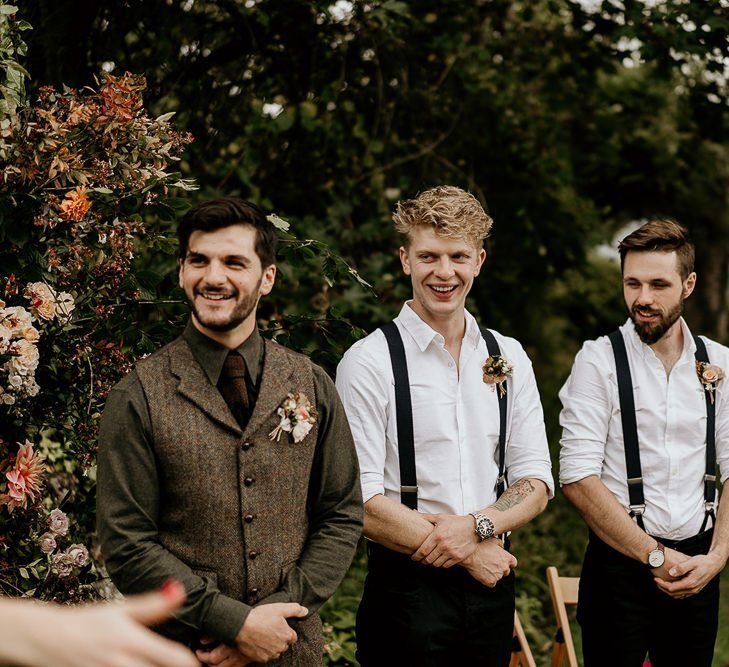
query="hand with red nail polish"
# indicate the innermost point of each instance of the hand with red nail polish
(93, 635)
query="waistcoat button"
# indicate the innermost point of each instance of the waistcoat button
(252, 555)
(248, 481)
(253, 591)
(246, 446)
(248, 518)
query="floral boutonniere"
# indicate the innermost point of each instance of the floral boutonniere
(297, 417)
(709, 376)
(495, 371)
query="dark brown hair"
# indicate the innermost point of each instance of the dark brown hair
(663, 236)
(214, 214)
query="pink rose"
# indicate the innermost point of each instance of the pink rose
(26, 357)
(31, 334)
(78, 554)
(15, 318)
(58, 522)
(62, 564)
(42, 300)
(47, 542)
(711, 374)
(303, 414)
(64, 306)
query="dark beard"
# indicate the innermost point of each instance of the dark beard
(652, 332)
(241, 311)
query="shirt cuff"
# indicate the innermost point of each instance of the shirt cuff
(545, 475)
(570, 472)
(278, 596)
(372, 485)
(225, 618)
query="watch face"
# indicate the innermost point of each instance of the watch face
(484, 527)
(656, 558)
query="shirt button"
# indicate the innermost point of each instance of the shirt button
(248, 481)
(248, 518)
(246, 446)
(252, 555)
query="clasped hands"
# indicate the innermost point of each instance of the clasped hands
(681, 576)
(453, 541)
(265, 635)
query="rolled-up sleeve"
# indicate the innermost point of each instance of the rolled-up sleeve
(365, 394)
(527, 450)
(585, 416)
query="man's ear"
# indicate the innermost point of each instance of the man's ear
(180, 263)
(267, 280)
(689, 284)
(480, 261)
(405, 260)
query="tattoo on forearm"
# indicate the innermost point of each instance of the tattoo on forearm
(514, 495)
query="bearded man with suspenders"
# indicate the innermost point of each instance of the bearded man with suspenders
(441, 413)
(645, 421)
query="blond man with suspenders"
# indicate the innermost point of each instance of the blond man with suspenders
(437, 430)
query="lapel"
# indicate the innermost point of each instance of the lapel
(276, 382)
(196, 387)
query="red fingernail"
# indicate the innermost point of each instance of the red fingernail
(171, 588)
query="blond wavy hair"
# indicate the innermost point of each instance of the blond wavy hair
(452, 212)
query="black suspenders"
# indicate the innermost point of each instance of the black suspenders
(404, 412)
(493, 349)
(404, 416)
(630, 434)
(710, 472)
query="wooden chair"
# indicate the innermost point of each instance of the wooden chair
(563, 591)
(521, 655)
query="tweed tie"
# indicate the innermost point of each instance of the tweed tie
(232, 385)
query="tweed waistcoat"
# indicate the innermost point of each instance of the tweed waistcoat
(233, 503)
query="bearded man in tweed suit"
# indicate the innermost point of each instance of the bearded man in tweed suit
(191, 485)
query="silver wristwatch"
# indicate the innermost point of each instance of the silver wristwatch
(484, 525)
(657, 557)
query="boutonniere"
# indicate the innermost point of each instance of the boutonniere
(495, 371)
(710, 376)
(297, 417)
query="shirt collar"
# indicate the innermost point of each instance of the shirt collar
(628, 329)
(423, 334)
(211, 355)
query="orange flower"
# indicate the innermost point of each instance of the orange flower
(75, 204)
(25, 479)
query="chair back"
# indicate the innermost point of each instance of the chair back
(521, 654)
(563, 591)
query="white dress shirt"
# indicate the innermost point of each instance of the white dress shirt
(455, 417)
(670, 412)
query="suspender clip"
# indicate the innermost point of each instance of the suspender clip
(632, 481)
(409, 489)
(637, 510)
(501, 479)
(709, 505)
(710, 478)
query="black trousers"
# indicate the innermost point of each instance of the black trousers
(624, 615)
(414, 615)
